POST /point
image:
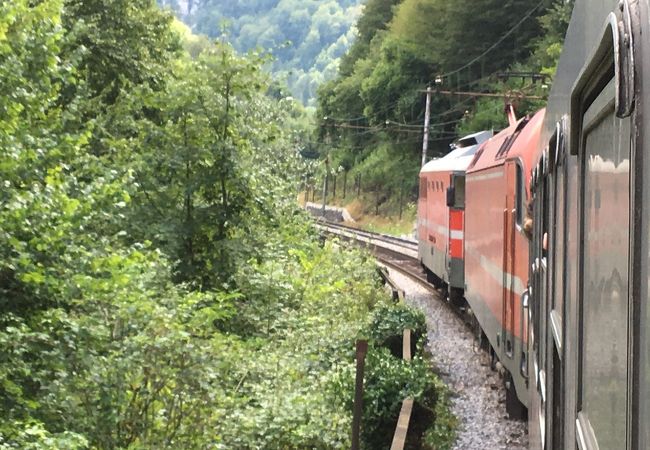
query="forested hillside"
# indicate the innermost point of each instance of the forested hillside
(159, 286)
(371, 116)
(306, 37)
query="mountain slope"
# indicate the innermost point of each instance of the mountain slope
(306, 37)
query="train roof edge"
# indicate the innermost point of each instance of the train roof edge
(459, 158)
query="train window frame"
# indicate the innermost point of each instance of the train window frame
(613, 51)
(557, 159)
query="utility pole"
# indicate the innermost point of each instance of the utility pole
(427, 117)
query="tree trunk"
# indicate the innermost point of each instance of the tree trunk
(401, 199)
(377, 202)
(188, 203)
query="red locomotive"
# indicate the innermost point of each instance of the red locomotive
(496, 248)
(441, 214)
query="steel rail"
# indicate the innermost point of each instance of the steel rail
(345, 230)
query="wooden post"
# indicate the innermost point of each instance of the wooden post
(401, 431)
(362, 349)
(334, 187)
(406, 344)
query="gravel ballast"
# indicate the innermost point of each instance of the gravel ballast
(478, 399)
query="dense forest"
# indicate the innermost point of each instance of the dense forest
(371, 115)
(307, 38)
(160, 288)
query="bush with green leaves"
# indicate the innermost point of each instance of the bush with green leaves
(390, 380)
(388, 323)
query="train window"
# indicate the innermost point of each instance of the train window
(510, 140)
(559, 243)
(477, 156)
(459, 187)
(570, 279)
(644, 377)
(521, 195)
(604, 285)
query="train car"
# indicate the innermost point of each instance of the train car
(496, 249)
(589, 337)
(441, 206)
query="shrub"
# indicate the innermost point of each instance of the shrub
(387, 325)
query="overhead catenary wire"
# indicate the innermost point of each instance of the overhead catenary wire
(439, 124)
(398, 127)
(491, 94)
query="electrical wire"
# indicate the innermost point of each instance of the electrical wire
(455, 71)
(493, 46)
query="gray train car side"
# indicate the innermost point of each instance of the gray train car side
(588, 308)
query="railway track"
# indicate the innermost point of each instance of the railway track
(397, 253)
(345, 230)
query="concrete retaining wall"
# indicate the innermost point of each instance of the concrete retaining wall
(332, 213)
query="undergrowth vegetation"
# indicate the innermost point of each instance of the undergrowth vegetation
(390, 380)
(159, 287)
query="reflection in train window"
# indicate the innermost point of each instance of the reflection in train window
(605, 273)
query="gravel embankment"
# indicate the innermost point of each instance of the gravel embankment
(479, 395)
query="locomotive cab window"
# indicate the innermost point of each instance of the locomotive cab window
(520, 201)
(456, 191)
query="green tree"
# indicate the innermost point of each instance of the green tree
(118, 43)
